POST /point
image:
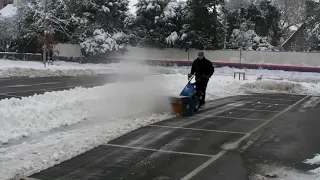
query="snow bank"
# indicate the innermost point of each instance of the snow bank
(9, 68)
(274, 172)
(314, 161)
(22, 117)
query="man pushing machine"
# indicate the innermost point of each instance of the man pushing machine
(203, 69)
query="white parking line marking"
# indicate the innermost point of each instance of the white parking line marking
(44, 89)
(263, 110)
(197, 129)
(220, 154)
(26, 85)
(158, 150)
(245, 119)
(275, 99)
(27, 178)
(266, 103)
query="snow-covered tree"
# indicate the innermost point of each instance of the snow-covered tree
(7, 34)
(247, 39)
(292, 13)
(174, 19)
(96, 24)
(261, 17)
(158, 21)
(74, 21)
(313, 24)
(204, 29)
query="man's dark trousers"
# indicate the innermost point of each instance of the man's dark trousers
(201, 87)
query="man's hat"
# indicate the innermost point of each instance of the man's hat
(200, 53)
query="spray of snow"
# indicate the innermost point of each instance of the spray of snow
(69, 107)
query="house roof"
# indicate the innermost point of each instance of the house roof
(8, 11)
(300, 26)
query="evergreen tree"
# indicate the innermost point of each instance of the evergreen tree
(204, 29)
(7, 34)
(159, 22)
(270, 27)
(174, 19)
(98, 24)
(313, 24)
(261, 19)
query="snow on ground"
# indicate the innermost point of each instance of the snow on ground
(9, 68)
(275, 172)
(43, 130)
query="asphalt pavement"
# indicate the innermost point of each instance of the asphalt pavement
(225, 141)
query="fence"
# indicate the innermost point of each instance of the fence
(20, 56)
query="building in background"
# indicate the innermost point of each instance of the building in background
(297, 41)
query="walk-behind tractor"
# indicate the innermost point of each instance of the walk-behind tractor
(188, 102)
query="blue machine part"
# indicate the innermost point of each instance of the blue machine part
(189, 90)
(188, 106)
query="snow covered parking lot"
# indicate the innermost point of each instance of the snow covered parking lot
(43, 130)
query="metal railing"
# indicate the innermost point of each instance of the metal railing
(20, 56)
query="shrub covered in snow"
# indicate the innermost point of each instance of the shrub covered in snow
(159, 22)
(101, 42)
(247, 38)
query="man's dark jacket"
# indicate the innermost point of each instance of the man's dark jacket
(202, 67)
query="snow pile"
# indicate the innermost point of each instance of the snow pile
(274, 85)
(282, 173)
(314, 161)
(275, 172)
(8, 11)
(9, 68)
(283, 86)
(70, 107)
